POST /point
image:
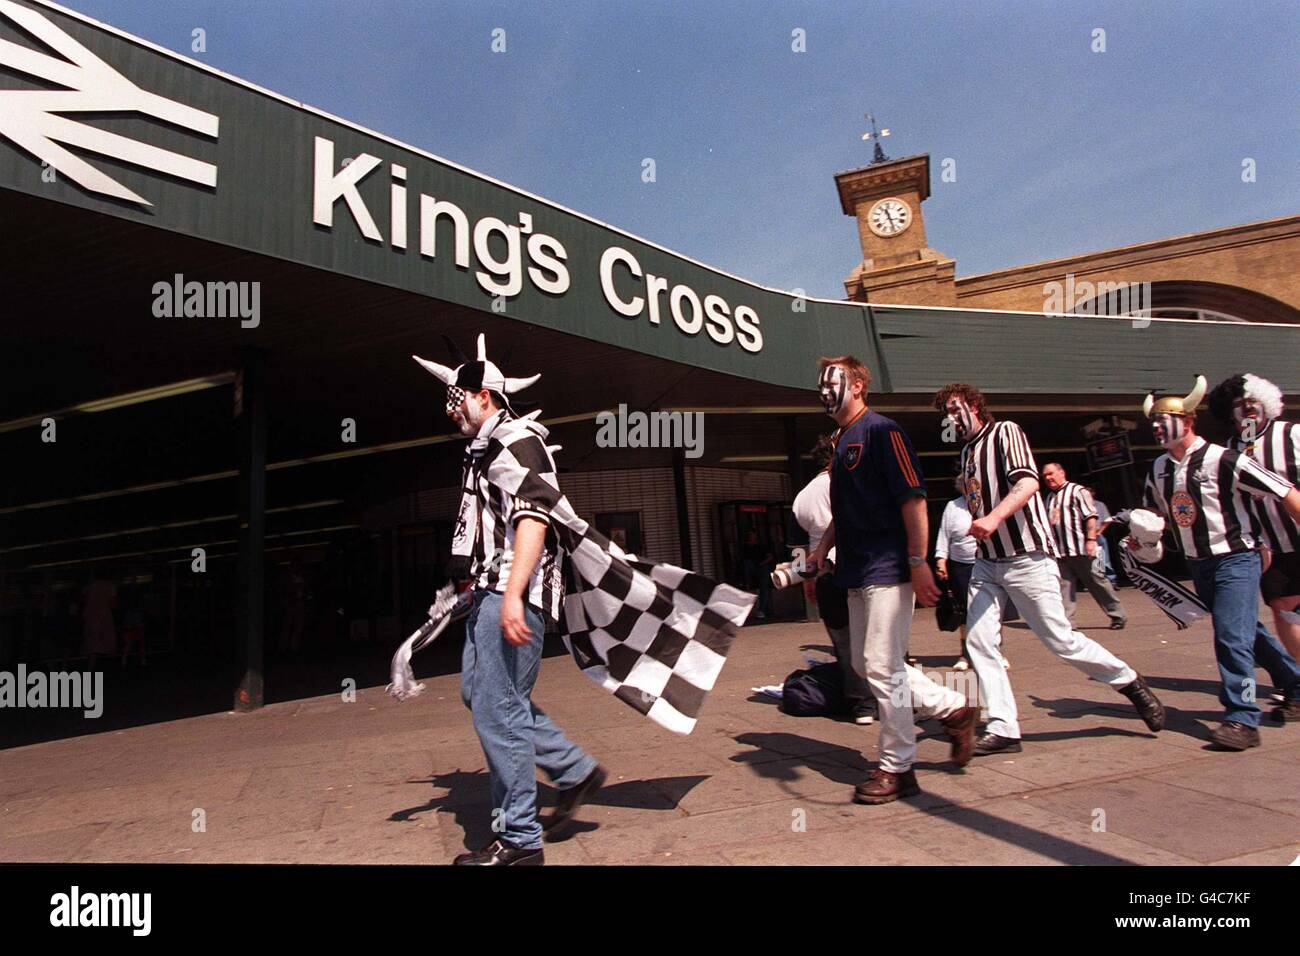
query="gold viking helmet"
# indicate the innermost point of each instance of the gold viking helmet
(1172, 404)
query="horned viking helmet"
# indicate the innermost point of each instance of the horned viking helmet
(478, 374)
(1172, 404)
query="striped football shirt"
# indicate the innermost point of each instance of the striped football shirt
(1068, 509)
(1207, 498)
(499, 511)
(991, 463)
(1277, 448)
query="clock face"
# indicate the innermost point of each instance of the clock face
(889, 217)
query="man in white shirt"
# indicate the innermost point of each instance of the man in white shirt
(955, 551)
(812, 510)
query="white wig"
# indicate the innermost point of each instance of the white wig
(1266, 393)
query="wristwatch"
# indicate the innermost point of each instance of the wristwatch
(915, 560)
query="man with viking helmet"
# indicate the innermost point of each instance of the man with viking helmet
(1205, 492)
(505, 544)
(1252, 407)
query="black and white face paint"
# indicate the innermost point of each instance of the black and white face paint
(1248, 418)
(455, 395)
(466, 410)
(833, 384)
(1168, 429)
(960, 418)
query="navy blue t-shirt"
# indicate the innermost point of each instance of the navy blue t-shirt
(875, 471)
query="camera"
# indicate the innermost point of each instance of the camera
(790, 572)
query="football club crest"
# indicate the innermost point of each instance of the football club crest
(1183, 507)
(852, 455)
(974, 501)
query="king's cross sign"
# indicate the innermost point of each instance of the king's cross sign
(35, 120)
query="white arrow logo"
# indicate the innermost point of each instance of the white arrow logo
(31, 118)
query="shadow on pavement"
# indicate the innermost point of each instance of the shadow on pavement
(848, 766)
(469, 800)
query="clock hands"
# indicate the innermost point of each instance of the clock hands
(890, 217)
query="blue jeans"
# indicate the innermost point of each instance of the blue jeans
(1229, 586)
(1103, 552)
(496, 682)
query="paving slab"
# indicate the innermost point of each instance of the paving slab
(1014, 831)
(1187, 822)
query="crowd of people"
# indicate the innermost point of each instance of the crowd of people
(655, 636)
(1017, 537)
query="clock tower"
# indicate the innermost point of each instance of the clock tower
(897, 266)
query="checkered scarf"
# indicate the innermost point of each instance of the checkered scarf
(653, 635)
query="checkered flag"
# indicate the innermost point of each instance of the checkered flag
(653, 635)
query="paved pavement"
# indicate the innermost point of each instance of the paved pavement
(324, 781)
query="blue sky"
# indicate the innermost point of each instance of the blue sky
(1058, 150)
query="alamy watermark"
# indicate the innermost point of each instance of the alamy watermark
(624, 429)
(929, 697)
(72, 689)
(76, 908)
(209, 300)
(1071, 297)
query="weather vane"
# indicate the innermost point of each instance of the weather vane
(877, 135)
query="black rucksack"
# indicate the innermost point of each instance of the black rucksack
(817, 692)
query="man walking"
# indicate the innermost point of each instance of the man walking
(1017, 562)
(517, 588)
(1204, 492)
(880, 532)
(1073, 517)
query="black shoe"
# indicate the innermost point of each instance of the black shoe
(986, 744)
(1117, 625)
(1147, 704)
(1287, 712)
(570, 800)
(1231, 735)
(863, 714)
(501, 853)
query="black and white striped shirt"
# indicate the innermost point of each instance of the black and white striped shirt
(991, 464)
(505, 436)
(1068, 509)
(1206, 497)
(1277, 448)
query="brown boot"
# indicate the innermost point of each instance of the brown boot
(1231, 735)
(883, 786)
(1146, 703)
(961, 731)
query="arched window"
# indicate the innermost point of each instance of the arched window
(1204, 301)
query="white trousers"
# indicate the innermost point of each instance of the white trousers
(880, 622)
(1033, 582)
